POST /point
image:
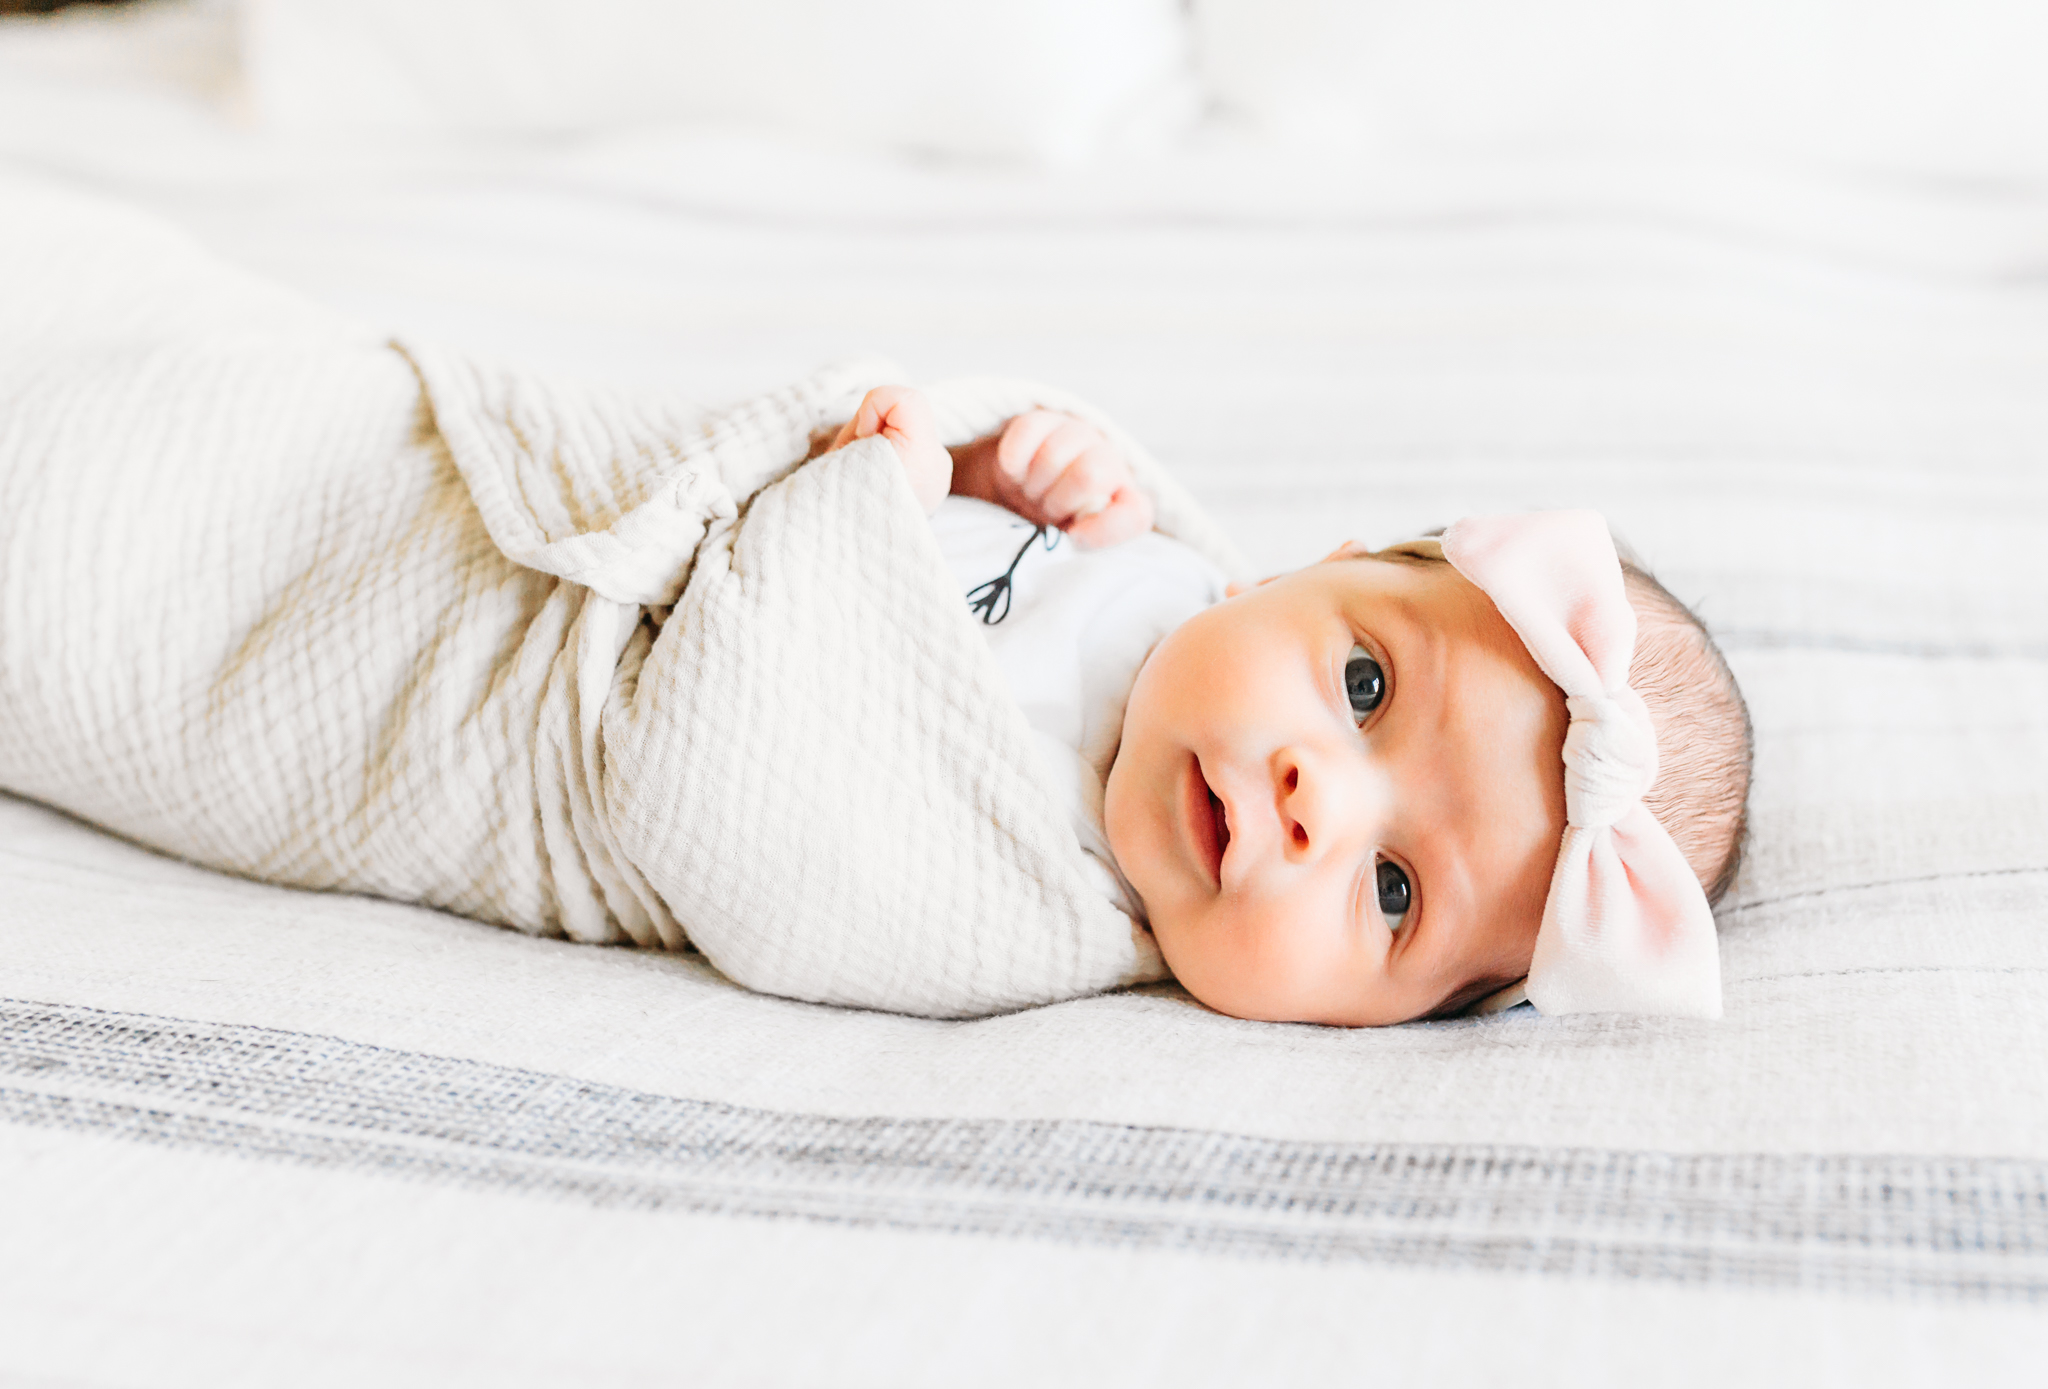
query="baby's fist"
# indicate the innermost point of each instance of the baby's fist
(903, 417)
(1060, 471)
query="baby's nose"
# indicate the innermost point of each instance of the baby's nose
(1329, 805)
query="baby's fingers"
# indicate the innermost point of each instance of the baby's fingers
(1056, 470)
(1127, 516)
(863, 423)
(890, 410)
(1037, 447)
(1086, 484)
(1021, 439)
(1063, 450)
(901, 415)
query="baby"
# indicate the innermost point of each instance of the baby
(1340, 796)
(942, 709)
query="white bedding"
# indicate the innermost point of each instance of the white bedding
(255, 1136)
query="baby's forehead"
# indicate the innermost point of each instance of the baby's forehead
(1429, 595)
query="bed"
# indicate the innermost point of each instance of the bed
(249, 1135)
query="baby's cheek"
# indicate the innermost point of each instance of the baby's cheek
(1202, 969)
(1136, 796)
(1250, 961)
(1278, 956)
(1126, 846)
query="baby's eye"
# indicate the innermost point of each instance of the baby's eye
(1364, 682)
(1394, 893)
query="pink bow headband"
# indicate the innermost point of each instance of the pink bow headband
(1626, 927)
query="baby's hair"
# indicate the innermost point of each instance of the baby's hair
(1705, 744)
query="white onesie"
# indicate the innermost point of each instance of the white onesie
(1070, 628)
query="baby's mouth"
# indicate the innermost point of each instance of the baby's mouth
(1207, 824)
(1219, 821)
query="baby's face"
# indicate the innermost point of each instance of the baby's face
(1340, 795)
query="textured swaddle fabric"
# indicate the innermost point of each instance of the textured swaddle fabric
(284, 599)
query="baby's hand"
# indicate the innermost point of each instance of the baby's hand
(903, 417)
(1055, 470)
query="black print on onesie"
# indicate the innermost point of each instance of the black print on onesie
(991, 601)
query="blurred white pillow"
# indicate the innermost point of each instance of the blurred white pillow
(1940, 87)
(1046, 79)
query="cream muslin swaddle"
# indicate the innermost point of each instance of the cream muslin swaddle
(289, 600)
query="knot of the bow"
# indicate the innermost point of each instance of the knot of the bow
(1610, 757)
